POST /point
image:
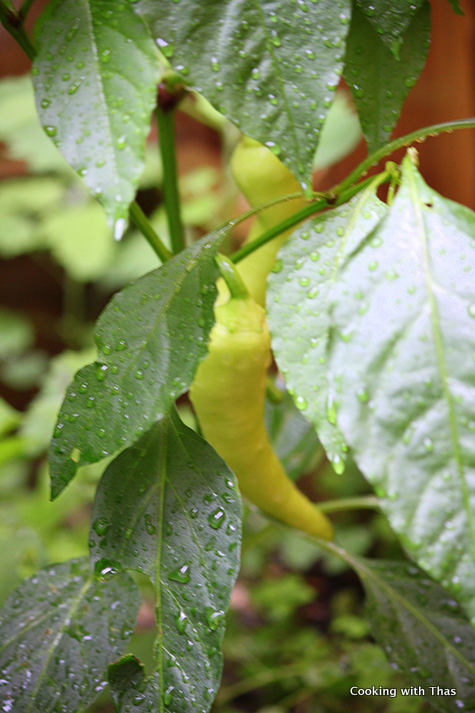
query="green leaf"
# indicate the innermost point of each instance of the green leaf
(170, 507)
(340, 134)
(9, 417)
(23, 203)
(39, 420)
(378, 82)
(297, 304)
(292, 436)
(134, 257)
(151, 337)
(16, 333)
(21, 131)
(422, 630)
(271, 71)
(390, 19)
(80, 240)
(456, 7)
(59, 631)
(95, 81)
(401, 369)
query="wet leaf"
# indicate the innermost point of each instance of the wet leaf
(297, 306)
(169, 507)
(402, 374)
(390, 19)
(422, 630)
(150, 337)
(271, 70)
(58, 632)
(293, 437)
(20, 129)
(95, 81)
(38, 422)
(379, 83)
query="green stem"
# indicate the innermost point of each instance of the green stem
(414, 136)
(263, 678)
(363, 502)
(293, 220)
(147, 230)
(13, 23)
(232, 278)
(25, 9)
(166, 137)
(273, 393)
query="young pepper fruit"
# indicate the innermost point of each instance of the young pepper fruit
(228, 395)
(262, 177)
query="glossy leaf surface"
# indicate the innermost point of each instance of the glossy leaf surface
(299, 285)
(169, 507)
(402, 373)
(423, 632)
(379, 83)
(271, 69)
(58, 633)
(95, 81)
(293, 437)
(390, 19)
(150, 337)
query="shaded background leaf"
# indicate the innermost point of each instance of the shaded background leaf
(390, 19)
(422, 630)
(378, 82)
(293, 437)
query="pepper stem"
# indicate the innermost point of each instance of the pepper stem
(232, 278)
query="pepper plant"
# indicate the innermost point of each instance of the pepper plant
(370, 306)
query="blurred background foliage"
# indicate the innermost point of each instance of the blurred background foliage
(297, 638)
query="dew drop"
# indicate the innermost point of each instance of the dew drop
(181, 574)
(213, 618)
(338, 464)
(105, 568)
(301, 403)
(101, 526)
(119, 228)
(217, 518)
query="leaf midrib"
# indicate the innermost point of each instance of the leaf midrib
(99, 84)
(61, 628)
(439, 345)
(365, 571)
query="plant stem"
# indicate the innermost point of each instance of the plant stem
(363, 502)
(232, 278)
(25, 9)
(13, 23)
(166, 137)
(273, 393)
(414, 136)
(293, 220)
(263, 678)
(144, 225)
